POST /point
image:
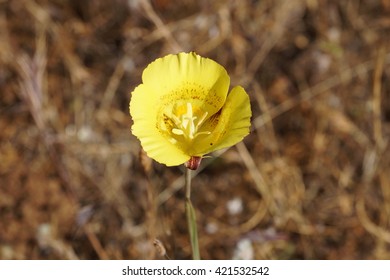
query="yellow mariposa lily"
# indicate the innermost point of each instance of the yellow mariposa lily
(182, 109)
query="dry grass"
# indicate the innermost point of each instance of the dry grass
(312, 180)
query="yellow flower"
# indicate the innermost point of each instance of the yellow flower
(182, 109)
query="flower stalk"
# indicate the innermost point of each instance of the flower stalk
(191, 217)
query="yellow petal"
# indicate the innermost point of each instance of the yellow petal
(187, 77)
(155, 144)
(229, 126)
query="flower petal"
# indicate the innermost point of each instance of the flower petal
(229, 126)
(143, 111)
(187, 77)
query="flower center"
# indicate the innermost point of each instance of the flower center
(188, 124)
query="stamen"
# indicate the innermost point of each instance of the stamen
(202, 119)
(186, 126)
(202, 133)
(177, 131)
(176, 120)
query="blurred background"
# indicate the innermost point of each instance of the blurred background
(311, 181)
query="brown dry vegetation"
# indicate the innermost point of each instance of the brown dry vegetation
(311, 181)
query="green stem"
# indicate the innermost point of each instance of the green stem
(191, 218)
(188, 183)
